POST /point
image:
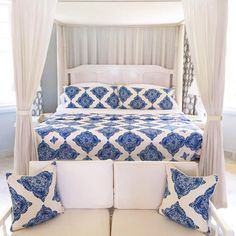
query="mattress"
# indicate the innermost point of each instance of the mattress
(132, 135)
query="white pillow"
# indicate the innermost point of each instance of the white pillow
(186, 199)
(34, 198)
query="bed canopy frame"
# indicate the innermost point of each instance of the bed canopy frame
(163, 68)
(208, 54)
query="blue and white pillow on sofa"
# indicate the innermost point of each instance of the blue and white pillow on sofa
(34, 198)
(93, 95)
(145, 97)
(186, 199)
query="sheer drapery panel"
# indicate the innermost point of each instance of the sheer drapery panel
(121, 45)
(32, 22)
(206, 25)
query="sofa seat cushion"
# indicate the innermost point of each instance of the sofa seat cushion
(79, 222)
(147, 223)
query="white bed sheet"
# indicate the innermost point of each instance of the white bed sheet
(63, 110)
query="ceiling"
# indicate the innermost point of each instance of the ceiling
(120, 13)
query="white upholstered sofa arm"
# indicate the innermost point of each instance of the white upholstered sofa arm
(221, 224)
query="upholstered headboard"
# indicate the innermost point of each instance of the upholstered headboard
(121, 74)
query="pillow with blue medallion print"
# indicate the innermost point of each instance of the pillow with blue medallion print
(34, 198)
(91, 96)
(186, 199)
(146, 97)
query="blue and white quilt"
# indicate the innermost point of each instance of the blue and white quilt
(146, 137)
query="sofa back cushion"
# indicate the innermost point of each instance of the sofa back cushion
(140, 185)
(82, 184)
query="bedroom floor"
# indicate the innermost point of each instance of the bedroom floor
(6, 164)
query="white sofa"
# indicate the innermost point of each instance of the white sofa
(111, 198)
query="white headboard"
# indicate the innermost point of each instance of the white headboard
(122, 74)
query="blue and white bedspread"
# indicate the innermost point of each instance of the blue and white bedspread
(169, 137)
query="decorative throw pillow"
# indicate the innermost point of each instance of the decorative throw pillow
(93, 96)
(186, 199)
(149, 97)
(34, 198)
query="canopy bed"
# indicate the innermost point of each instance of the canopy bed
(150, 54)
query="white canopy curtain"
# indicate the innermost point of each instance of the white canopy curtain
(206, 24)
(32, 22)
(119, 45)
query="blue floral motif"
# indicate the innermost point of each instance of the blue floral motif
(137, 103)
(173, 142)
(109, 124)
(44, 214)
(99, 92)
(151, 133)
(66, 152)
(166, 103)
(151, 154)
(71, 91)
(56, 195)
(194, 141)
(152, 95)
(129, 127)
(86, 140)
(89, 126)
(166, 192)
(108, 152)
(19, 204)
(184, 184)
(201, 203)
(124, 93)
(178, 215)
(53, 139)
(137, 90)
(45, 153)
(65, 131)
(71, 105)
(38, 184)
(113, 101)
(100, 106)
(85, 100)
(185, 156)
(108, 131)
(129, 141)
(43, 132)
(129, 158)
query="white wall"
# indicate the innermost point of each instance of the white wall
(7, 131)
(229, 128)
(49, 77)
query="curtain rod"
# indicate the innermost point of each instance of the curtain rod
(118, 26)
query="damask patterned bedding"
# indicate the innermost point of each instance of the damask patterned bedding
(131, 137)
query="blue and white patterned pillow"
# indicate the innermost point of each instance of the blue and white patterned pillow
(34, 198)
(145, 98)
(91, 96)
(186, 199)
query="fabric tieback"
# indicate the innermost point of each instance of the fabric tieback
(23, 112)
(214, 118)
